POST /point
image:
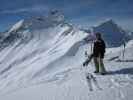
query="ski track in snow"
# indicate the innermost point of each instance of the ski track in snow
(93, 82)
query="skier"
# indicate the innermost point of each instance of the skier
(97, 55)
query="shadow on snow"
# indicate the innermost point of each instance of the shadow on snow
(122, 71)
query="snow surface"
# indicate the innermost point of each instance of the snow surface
(49, 67)
(68, 81)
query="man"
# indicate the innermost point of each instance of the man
(97, 55)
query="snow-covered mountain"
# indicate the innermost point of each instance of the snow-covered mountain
(113, 34)
(31, 46)
(34, 27)
(41, 59)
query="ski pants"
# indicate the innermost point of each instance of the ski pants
(99, 65)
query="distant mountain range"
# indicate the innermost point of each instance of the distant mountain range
(25, 29)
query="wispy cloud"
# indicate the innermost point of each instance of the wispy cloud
(38, 8)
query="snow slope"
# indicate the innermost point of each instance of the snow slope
(27, 57)
(70, 82)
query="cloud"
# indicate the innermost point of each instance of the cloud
(38, 8)
(79, 4)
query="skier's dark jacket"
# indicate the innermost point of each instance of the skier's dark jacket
(99, 48)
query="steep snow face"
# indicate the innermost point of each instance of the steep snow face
(67, 80)
(112, 33)
(33, 46)
(39, 28)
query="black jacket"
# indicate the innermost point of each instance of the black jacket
(99, 48)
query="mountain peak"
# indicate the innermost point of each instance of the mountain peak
(54, 18)
(17, 26)
(112, 33)
(109, 22)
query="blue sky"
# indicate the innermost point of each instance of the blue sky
(83, 13)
